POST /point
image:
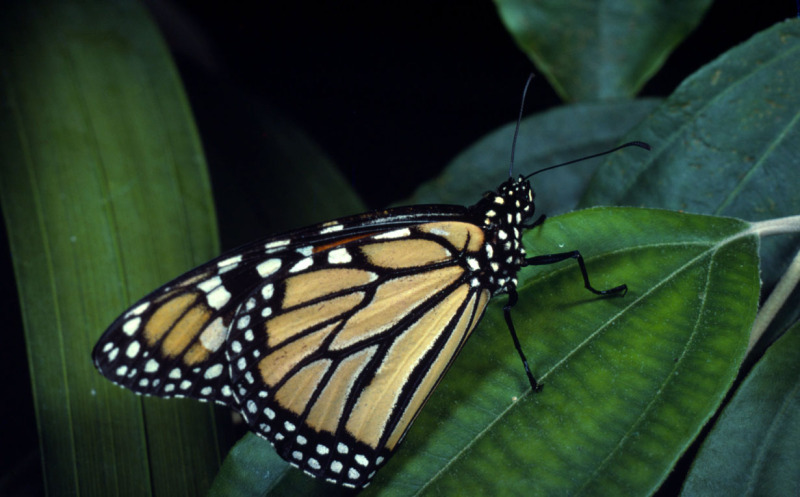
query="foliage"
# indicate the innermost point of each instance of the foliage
(105, 195)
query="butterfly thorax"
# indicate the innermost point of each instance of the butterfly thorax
(502, 216)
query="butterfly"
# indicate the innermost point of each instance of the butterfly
(328, 340)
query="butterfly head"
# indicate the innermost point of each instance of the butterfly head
(503, 215)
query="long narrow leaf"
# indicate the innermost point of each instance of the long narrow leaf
(105, 196)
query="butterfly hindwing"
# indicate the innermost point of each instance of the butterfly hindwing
(332, 359)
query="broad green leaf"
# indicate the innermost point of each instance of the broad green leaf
(251, 468)
(754, 448)
(562, 134)
(628, 382)
(725, 143)
(599, 50)
(105, 196)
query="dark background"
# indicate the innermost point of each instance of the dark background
(391, 92)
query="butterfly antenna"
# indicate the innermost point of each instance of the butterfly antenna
(519, 119)
(624, 145)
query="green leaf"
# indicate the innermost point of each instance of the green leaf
(605, 50)
(754, 448)
(251, 468)
(628, 382)
(105, 196)
(562, 134)
(725, 143)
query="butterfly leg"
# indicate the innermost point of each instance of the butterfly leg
(538, 222)
(541, 260)
(512, 300)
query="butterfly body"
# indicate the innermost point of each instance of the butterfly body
(329, 339)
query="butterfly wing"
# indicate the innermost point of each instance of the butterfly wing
(170, 343)
(327, 340)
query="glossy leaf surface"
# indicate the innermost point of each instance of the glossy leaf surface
(599, 50)
(105, 196)
(725, 143)
(754, 448)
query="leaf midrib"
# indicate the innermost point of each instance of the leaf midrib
(712, 249)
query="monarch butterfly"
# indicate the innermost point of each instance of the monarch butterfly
(329, 339)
